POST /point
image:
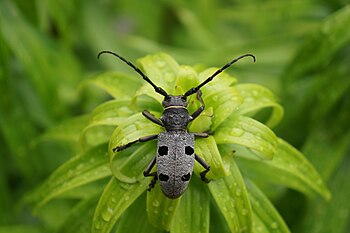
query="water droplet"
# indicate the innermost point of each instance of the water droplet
(274, 225)
(168, 77)
(238, 192)
(160, 63)
(113, 200)
(97, 225)
(155, 203)
(237, 132)
(125, 186)
(107, 214)
(171, 208)
(255, 93)
(244, 212)
(249, 99)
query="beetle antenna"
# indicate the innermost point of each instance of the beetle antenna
(195, 89)
(156, 88)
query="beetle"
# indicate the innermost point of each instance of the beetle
(175, 147)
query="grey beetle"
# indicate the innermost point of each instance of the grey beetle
(175, 148)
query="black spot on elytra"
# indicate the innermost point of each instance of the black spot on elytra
(186, 177)
(189, 150)
(163, 177)
(163, 150)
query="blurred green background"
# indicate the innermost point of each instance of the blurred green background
(47, 48)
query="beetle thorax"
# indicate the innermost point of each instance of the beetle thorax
(175, 119)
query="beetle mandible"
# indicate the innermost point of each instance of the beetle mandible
(175, 147)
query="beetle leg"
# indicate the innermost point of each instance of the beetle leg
(201, 108)
(152, 118)
(143, 139)
(205, 165)
(147, 173)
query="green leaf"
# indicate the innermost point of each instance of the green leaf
(20, 229)
(322, 216)
(224, 102)
(249, 133)
(162, 69)
(222, 80)
(51, 70)
(111, 113)
(160, 209)
(332, 36)
(132, 129)
(256, 97)
(79, 218)
(217, 220)
(232, 199)
(129, 164)
(118, 85)
(192, 215)
(207, 149)
(203, 122)
(69, 130)
(265, 217)
(82, 169)
(185, 80)
(135, 219)
(115, 199)
(288, 167)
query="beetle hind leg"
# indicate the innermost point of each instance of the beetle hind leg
(205, 165)
(148, 172)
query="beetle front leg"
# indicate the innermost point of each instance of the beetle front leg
(147, 173)
(143, 139)
(201, 108)
(205, 165)
(152, 118)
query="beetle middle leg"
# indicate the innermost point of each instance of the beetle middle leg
(148, 172)
(142, 139)
(205, 165)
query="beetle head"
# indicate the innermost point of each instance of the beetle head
(174, 100)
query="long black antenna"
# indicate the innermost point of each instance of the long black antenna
(195, 89)
(156, 88)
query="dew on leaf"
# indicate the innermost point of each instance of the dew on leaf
(107, 214)
(244, 211)
(236, 132)
(274, 225)
(155, 203)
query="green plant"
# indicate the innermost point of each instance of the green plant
(239, 144)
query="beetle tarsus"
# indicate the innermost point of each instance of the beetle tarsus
(152, 183)
(203, 173)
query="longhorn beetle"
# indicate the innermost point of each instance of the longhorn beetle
(175, 148)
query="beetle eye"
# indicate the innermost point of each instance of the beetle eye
(186, 177)
(163, 177)
(163, 150)
(189, 150)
